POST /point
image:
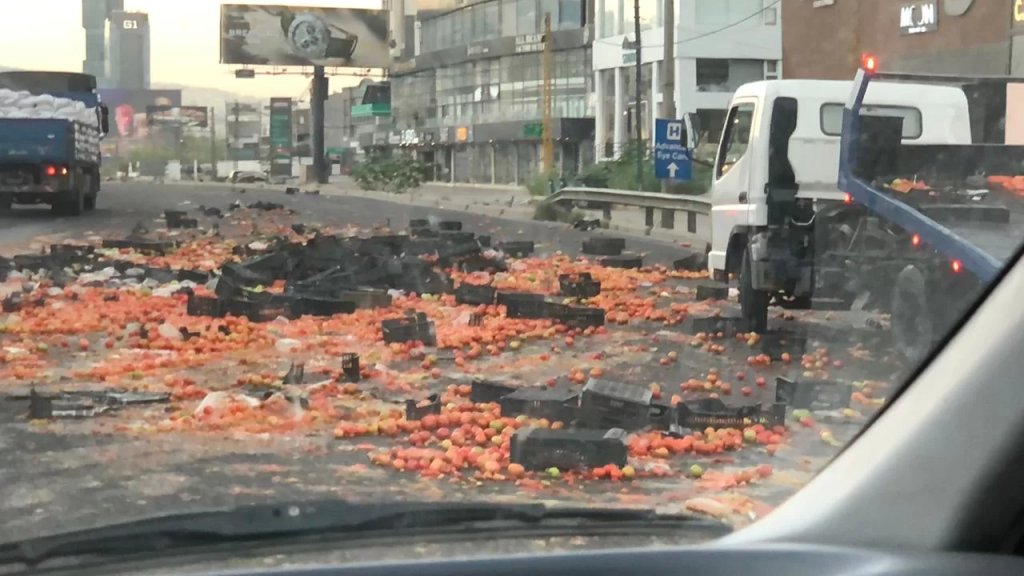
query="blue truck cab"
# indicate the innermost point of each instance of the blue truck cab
(51, 158)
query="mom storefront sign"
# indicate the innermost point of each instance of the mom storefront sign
(919, 17)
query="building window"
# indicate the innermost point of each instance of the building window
(712, 75)
(526, 17)
(722, 12)
(771, 16)
(570, 14)
(508, 17)
(611, 17)
(771, 69)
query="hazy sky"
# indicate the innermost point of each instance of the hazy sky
(48, 35)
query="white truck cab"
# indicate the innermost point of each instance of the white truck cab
(778, 162)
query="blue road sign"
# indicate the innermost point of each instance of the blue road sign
(672, 160)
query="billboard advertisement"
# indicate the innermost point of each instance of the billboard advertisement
(281, 136)
(184, 116)
(128, 109)
(299, 36)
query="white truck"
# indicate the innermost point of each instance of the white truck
(782, 226)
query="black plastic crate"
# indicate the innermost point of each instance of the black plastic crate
(476, 320)
(449, 226)
(419, 223)
(504, 298)
(316, 306)
(607, 404)
(424, 233)
(197, 276)
(422, 247)
(542, 448)
(141, 245)
(727, 325)
(34, 261)
(517, 249)
(203, 306)
(71, 252)
(532, 309)
(296, 373)
(275, 265)
(350, 368)
(580, 285)
(474, 294)
(812, 394)
(452, 252)
(457, 236)
(244, 276)
(410, 328)
(486, 391)
(416, 410)
(625, 260)
(712, 292)
(258, 311)
(174, 218)
(555, 405)
(581, 317)
(481, 263)
(604, 246)
(395, 243)
(484, 240)
(712, 412)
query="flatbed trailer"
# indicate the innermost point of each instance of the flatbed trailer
(959, 230)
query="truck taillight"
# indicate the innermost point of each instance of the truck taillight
(957, 266)
(847, 198)
(51, 170)
(915, 240)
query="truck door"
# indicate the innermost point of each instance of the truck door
(731, 209)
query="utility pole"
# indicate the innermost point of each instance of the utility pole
(668, 71)
(319, 97)
(636, 111)
(213, 139)
(235, 133)
(547, 140)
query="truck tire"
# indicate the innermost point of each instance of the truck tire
(753, 303)
(912, 331)
(72, 202)
(6, 203)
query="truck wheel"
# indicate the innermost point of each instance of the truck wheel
(912, 330)
(753, 303)
(71, 203)
(6, 203)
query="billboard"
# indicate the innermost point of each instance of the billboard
(299, 36)
(281, 136)
(128, 109)
(184, 116)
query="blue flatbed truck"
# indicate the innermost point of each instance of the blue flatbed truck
(52, 160)
(950, 234)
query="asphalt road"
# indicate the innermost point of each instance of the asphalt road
(121, 205)
(77, 474)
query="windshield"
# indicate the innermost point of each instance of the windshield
(581, 253)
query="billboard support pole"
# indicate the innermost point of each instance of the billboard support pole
(213, 139)
(319, 96)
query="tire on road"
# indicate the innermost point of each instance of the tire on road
(72, 202)
(753, 303)
(913, 332)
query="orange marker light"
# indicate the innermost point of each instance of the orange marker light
(869, 62)
(915, 240)
(957, 266)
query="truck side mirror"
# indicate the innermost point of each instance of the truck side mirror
(104, 119)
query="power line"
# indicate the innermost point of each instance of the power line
(706, 34)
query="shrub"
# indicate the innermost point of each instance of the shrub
(396, 174)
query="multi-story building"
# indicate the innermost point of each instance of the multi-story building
(243, 125)
(467, 85)
(928, 36)
(359, 117)
(719, 45)
(94, 21)
(127, 50)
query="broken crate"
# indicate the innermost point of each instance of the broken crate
(543, 448)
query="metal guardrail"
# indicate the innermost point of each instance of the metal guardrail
(696, 208)
(656, 200)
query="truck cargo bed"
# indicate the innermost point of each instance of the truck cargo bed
(47, 140)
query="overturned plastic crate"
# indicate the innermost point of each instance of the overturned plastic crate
(543, 448)
(521, 302)
(394, 243)
(581, 317)
(604, 246)
(320, 306)
(350, 369)
(419, 223)
(581, 285)
(812, 394)
(486, 391)
(456, 236)
(263, 310)
(412, 328)
(553, 404)
(449, 226)
(624, 260)
(449, 253)
(417, 409)
(532, 309)
(712, 412)
(275, 265)
(243, 275)
(518, 248)
(159, 247)
(174, 218)
(608, 404)
(481, 263)
(203, 306)
(474, 294)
